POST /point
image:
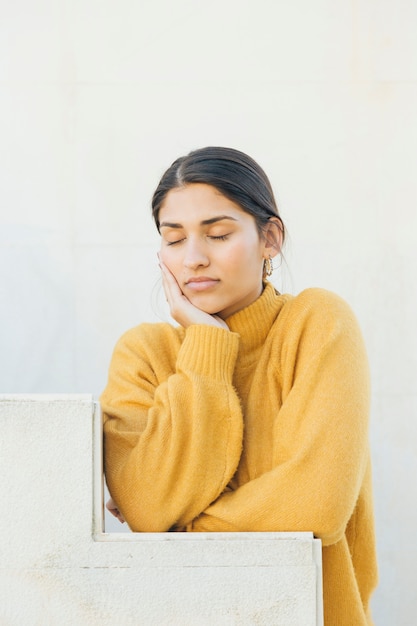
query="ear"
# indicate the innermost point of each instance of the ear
(273, 237)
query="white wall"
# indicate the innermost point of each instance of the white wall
(98, 97)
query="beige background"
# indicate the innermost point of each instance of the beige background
(98, 97)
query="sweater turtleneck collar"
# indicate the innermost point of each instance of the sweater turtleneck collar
(254, 322)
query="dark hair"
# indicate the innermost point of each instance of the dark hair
(236, 175)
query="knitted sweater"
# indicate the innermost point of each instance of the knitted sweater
(260, 428)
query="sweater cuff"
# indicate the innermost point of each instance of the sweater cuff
(209, 351)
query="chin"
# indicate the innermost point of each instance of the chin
(207, 307)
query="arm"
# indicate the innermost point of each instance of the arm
(320, 438)
(173, 423)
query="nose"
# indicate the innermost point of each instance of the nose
(195, 255)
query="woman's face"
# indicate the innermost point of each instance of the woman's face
(213, 249)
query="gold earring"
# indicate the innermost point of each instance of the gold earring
(268, 267)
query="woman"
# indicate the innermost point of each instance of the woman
(251, 414)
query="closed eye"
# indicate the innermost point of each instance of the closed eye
(219, 237)
(215, 237)
(172, 243)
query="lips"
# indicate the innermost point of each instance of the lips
(201, 283)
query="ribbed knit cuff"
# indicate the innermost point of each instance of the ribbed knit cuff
(209, 351)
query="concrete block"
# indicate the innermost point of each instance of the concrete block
(58, 567)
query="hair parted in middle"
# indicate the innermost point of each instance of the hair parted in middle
(233, 173)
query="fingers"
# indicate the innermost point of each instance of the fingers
(171, 287)
(112, 508)
(181, 309)
(180, 306)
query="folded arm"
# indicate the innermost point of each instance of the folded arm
(173, 424)
(320, 437)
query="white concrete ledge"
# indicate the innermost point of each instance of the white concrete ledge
(58, 567)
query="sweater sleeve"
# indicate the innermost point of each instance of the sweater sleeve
(172, 423)
(320, 431)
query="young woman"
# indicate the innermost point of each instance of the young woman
(251, 413)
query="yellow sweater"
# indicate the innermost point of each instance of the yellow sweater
(264, 428)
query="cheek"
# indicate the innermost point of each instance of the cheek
(166, 253)
(170, 259)
(244, 255)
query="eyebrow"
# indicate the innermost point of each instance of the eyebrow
(211, 220)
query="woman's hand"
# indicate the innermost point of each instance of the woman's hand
(112, 507)
(182, 310)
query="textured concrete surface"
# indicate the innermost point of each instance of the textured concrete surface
(58, 568)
